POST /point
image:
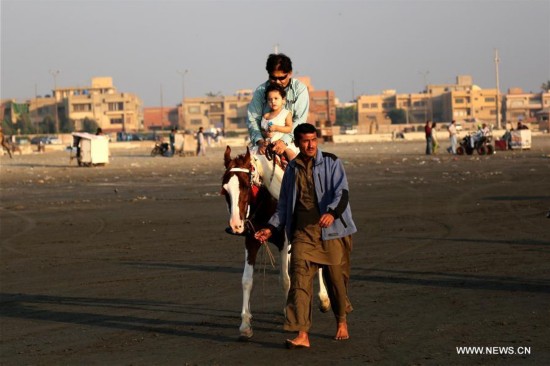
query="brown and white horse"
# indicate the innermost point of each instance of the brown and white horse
(251, 185)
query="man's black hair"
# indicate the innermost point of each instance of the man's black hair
(303, 128)
(278, 61)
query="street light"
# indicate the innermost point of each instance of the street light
(183, 73)
(497, 61)
(428, 101)
(54, 73)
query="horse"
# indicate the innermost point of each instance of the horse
(251, 185)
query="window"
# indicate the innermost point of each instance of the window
(82, 107)
(459, 100)
(516, 103)
(196, 122)
(233, 106)
(419, 103)
(406, 104)
(117, 106)
(116, 121)
(322, 116)
(490, 100)
(535, 101)
(194, 109)
(365, 105)
(374, 105)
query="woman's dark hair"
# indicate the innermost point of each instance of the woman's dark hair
(303, 128)
(275, 87)
(278, 61)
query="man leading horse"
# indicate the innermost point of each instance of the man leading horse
(314, 211)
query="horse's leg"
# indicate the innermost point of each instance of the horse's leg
(246, 316)
(283, 273)
(324, 301)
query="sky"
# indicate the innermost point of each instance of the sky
(351, 47)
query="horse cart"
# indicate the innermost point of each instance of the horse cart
(91, 150)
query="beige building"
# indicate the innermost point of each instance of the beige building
(464, 102)
(111, 110)
(473, 105)
(373, 110)
(224, 112)
(525, 107)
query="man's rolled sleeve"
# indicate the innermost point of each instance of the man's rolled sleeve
(255, 112)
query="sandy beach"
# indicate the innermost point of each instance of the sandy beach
(128, 264)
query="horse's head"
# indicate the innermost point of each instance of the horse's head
(236, 186)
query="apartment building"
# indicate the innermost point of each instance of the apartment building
(472, 105)
(373, 110)
(100, 102)
(111, 110)
(160, 118)
(463, 101)
(526, 107)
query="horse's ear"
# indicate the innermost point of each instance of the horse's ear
(247, 157)
(227, 156)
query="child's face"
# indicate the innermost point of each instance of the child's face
(274, 100)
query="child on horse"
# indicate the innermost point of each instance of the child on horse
(278, 121)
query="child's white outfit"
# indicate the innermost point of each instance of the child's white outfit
(279, 120)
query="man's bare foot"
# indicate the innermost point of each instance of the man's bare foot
(342, 331)
(301, 341)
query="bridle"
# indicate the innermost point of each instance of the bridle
(248, 219)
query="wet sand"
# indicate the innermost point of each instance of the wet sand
(128, 264)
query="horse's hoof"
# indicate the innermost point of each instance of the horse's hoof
(246, 336)
(324, 307)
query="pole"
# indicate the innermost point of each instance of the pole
(161, 110)
(497, 61)
(427, 101)
(183, 73)
(54, 73)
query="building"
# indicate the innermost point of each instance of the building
(219, 112)
(373, 111)
(160, 118)
(525, 107)
(464, 102)
(100, 102)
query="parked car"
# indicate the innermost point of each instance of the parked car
(46, 140)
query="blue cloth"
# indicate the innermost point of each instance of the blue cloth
(331, 188)
(297, 102)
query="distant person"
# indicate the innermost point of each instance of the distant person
(522, 126)
(435, 142)
(279, 70)
(173, 141)
(428, 133)
(4, 143)
(201, 148)
(452, 137)
(278, 121)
